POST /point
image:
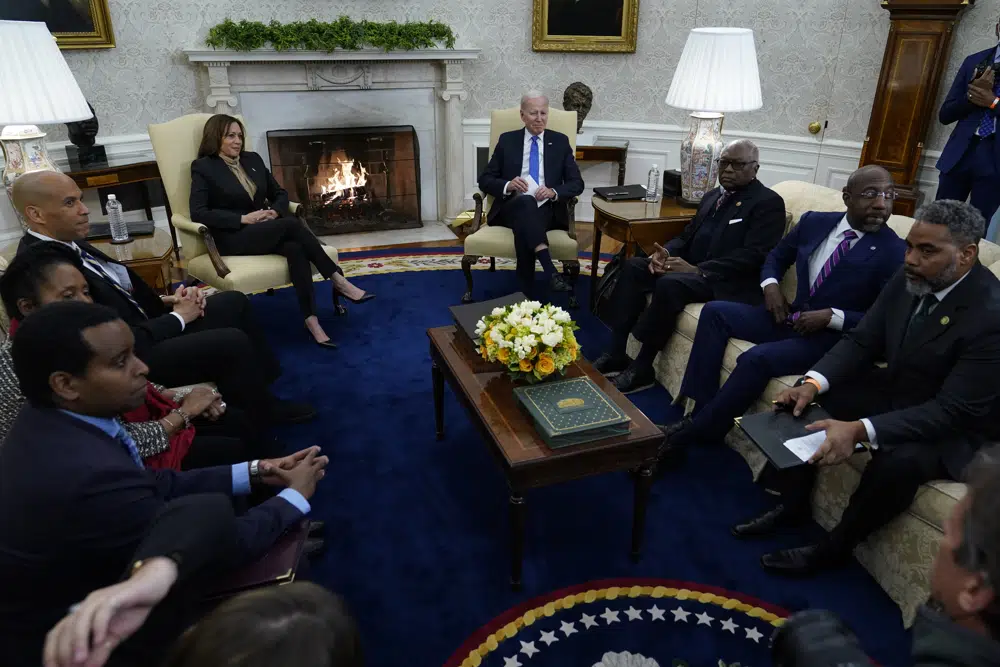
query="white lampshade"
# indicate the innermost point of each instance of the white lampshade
(717, 72)
(36, 85)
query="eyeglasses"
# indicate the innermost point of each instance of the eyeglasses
(875, 194)
(738, 165)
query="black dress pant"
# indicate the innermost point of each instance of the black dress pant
(232, 438)
(530, 223)
(890, 480)
(290, 238)
(652, 326)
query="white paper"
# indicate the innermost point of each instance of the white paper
(805, 446)
(532, 187)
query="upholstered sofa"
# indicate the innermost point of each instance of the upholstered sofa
(899, 555)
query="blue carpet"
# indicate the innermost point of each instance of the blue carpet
(417, 529)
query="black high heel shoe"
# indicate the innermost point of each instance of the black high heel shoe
(367, 296)
(328, 343)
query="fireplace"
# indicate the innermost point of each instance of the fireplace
(350, 179)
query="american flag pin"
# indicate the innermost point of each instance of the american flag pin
(873, 247)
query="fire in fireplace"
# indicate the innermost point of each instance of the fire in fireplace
(350, 179)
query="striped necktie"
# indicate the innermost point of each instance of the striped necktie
(721, 201)
(92, 263)
(834, 258)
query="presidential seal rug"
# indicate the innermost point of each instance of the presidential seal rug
(627, 623)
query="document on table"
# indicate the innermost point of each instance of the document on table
(805, 446)
(532, 186)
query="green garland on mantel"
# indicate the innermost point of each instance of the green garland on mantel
(343, 33)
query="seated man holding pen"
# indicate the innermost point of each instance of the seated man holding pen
(717, 256)
(937, 325)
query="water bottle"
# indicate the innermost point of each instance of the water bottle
(119, 230)
(653, 184)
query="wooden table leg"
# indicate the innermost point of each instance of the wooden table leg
(643, 485)
(438, 379)
(517, 512)
(595, 258)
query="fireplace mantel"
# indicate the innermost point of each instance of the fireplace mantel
(268, 70)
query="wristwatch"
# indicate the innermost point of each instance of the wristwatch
(255, 470)
(801, 381)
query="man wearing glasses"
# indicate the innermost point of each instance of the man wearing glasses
(842, 262)
(717, 256)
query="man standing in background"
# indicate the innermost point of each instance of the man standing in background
(970, 161)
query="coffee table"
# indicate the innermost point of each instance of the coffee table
(487, 395)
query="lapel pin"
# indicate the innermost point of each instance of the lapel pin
(873, 247)
(739, 203)
(945, 320)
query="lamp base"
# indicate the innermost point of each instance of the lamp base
(699, 151)
(23, 152)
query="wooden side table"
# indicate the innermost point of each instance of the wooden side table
(149, 256)
(635, 223)
(617, 154)
(123, 172)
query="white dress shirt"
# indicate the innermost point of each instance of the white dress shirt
(818, 258)
(114, 271)
(824, 384)
(525, 161)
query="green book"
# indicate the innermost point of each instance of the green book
(571, 412)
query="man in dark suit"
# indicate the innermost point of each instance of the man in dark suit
(717, 256)
(970, 161)
(75, 498)
(937, 325)
(190, 540)
(842, 263)
(531, 175)
(185, 338)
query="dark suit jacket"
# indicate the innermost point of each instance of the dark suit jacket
(856, 281)
(746, 228)
(70, 521)
(155, 326)
(958, 108)
(218, 201)
(561, 171)
(943, 382)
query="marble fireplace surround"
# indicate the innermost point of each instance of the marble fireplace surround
(286, 90)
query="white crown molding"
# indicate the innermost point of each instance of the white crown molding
(338, 55)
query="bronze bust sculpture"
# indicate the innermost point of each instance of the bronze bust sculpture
(83, 133)
(580, 98)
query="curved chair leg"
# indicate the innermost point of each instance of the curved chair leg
(493, 263)
(571, 269)
(338, 308)
(467, 262)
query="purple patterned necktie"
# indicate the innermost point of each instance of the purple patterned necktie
(721, 201)
(834, 258)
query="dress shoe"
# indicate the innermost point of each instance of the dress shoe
(314, 547)
(671, 430)
(558, 284)
(316, 528)
(290, 412)
(769, 522)
(367, 296)
(634, 379)
(607, 364)
(802, 561)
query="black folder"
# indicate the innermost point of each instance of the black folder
(770, 429)
(621, 192)
(468, 315)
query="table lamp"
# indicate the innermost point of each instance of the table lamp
(717, 72)
(37, 88)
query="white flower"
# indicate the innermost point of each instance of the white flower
(496, 336)
(497, 312)
(560, 315)
(480, 327)
(552, 338)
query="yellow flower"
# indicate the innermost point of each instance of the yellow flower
(573, 352)
(525, 365)
(533, 353)
(503, 355)
(546, 364)
(482, 351)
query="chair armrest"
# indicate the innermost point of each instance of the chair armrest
(571, 217)
(181, 222)
(296, 209)
(477, 218)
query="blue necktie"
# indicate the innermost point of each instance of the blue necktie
(533, 159)
(123, 437)
(987, 126)
(92, 262)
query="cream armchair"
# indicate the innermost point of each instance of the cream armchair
(493, 242)
(175, 144)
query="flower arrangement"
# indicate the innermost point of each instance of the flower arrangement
(533, 341)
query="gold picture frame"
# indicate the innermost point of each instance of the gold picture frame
(581, 26)
(76, 24)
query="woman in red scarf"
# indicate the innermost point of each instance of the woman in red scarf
(162, 428)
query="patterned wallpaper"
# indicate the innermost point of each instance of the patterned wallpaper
(818, 58)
